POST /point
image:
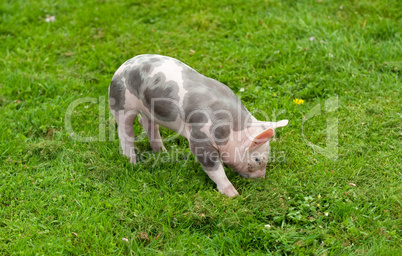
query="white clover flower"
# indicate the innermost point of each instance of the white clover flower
(50, 19)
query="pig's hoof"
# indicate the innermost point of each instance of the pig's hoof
(230, 191)
(157, 147)
(133, 160)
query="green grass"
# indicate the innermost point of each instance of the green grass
(62, 196)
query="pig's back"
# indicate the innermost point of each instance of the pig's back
(170, 89)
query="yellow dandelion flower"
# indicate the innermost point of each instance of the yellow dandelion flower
(298, 101)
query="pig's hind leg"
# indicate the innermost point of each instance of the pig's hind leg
(125, 122)
(152, 130)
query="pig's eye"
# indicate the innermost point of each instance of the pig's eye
(257, 160)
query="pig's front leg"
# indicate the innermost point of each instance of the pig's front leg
(209, 158)
(152, 130)
(222, 182)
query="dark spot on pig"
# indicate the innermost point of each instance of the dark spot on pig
(197, 117)
(146, 68)
(117, 97)
(222, 126)
(163, 100)
(157, 80)
(206, 154)
(221, 134)
(134, 81)
(154, 59)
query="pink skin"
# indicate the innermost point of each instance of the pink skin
(241, 155)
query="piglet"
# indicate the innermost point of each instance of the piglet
(167, 92)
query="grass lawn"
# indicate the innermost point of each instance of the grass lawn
(334, 180)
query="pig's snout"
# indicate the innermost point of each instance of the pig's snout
(254, 175)
(258, 175)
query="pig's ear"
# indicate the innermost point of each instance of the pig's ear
(261, 138)
(282, 123)
(274, 125)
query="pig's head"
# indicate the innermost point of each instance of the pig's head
(251, 160)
